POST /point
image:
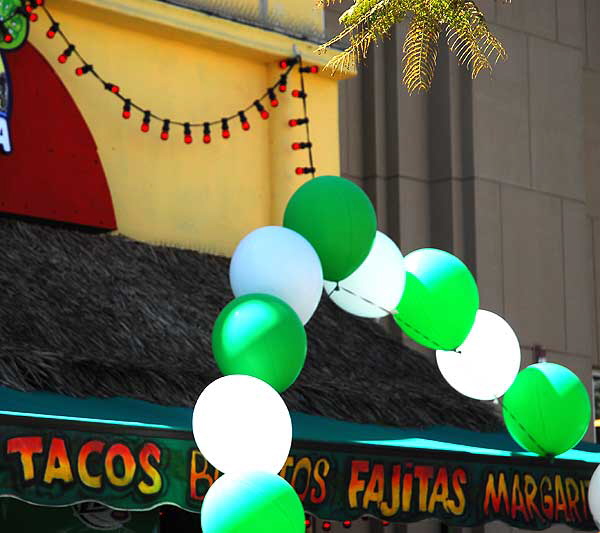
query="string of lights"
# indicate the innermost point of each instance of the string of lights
(301, 93)
(326, 525)
(28, 7)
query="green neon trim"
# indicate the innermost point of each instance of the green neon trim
(125, 412)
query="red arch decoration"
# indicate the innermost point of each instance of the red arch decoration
(54, 171)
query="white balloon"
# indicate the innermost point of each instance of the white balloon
(594, 495)
(280, 262)
(241, 424)
(487, 362)
(379, 279)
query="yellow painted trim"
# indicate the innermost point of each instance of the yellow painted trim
(237, 37)
(597, 423)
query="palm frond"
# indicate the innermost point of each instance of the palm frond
(470, 39)
(368, 21)
(420, 53)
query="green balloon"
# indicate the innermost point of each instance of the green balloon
(547, 409)
(440, 299)
(250, 503)
(338, 219)
(261, 336)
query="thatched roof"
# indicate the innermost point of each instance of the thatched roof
(98, 315)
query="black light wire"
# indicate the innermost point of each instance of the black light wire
(393, 313)
(338, 287)
(153, 115)
(186, 125)
(307, 124)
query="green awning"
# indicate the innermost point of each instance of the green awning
(134, 455)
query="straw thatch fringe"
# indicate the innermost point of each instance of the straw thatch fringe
(98, 315)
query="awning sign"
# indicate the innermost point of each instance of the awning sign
(60, 468)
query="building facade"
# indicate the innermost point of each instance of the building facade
(500, 171)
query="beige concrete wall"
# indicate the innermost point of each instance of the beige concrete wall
(504, 172)
(535, 175)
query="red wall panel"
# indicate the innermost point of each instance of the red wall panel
(54, 171)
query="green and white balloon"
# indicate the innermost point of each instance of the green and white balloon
(440, 299)
(260, 335)
(252, 502)
(280, 262)
(547, 409)
(375, 288)
(594, 495)
(242, 424)
(338, 219)
(486, 364)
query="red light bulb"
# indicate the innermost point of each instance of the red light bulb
(164, 134)
(115, 89)
(52, 31)
(295, 93)
(145, 127)
(62, 58)
(293, 122)
(264, 114)
(245, 126)
(79, 71)
(127, 109)
(314, 69)
(187, 133)
(273, 98)
(282, 88)
(33, 17)
(283, 64)
(226, 134)
(8, 38)
(206, 138)
(296, 146)
(29, 8)
(39, 2)
(299, 171)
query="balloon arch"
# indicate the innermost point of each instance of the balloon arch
(329, 240)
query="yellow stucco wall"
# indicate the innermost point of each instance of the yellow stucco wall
(188, 66)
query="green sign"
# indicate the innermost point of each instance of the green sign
(16, 24)
(61, 468)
